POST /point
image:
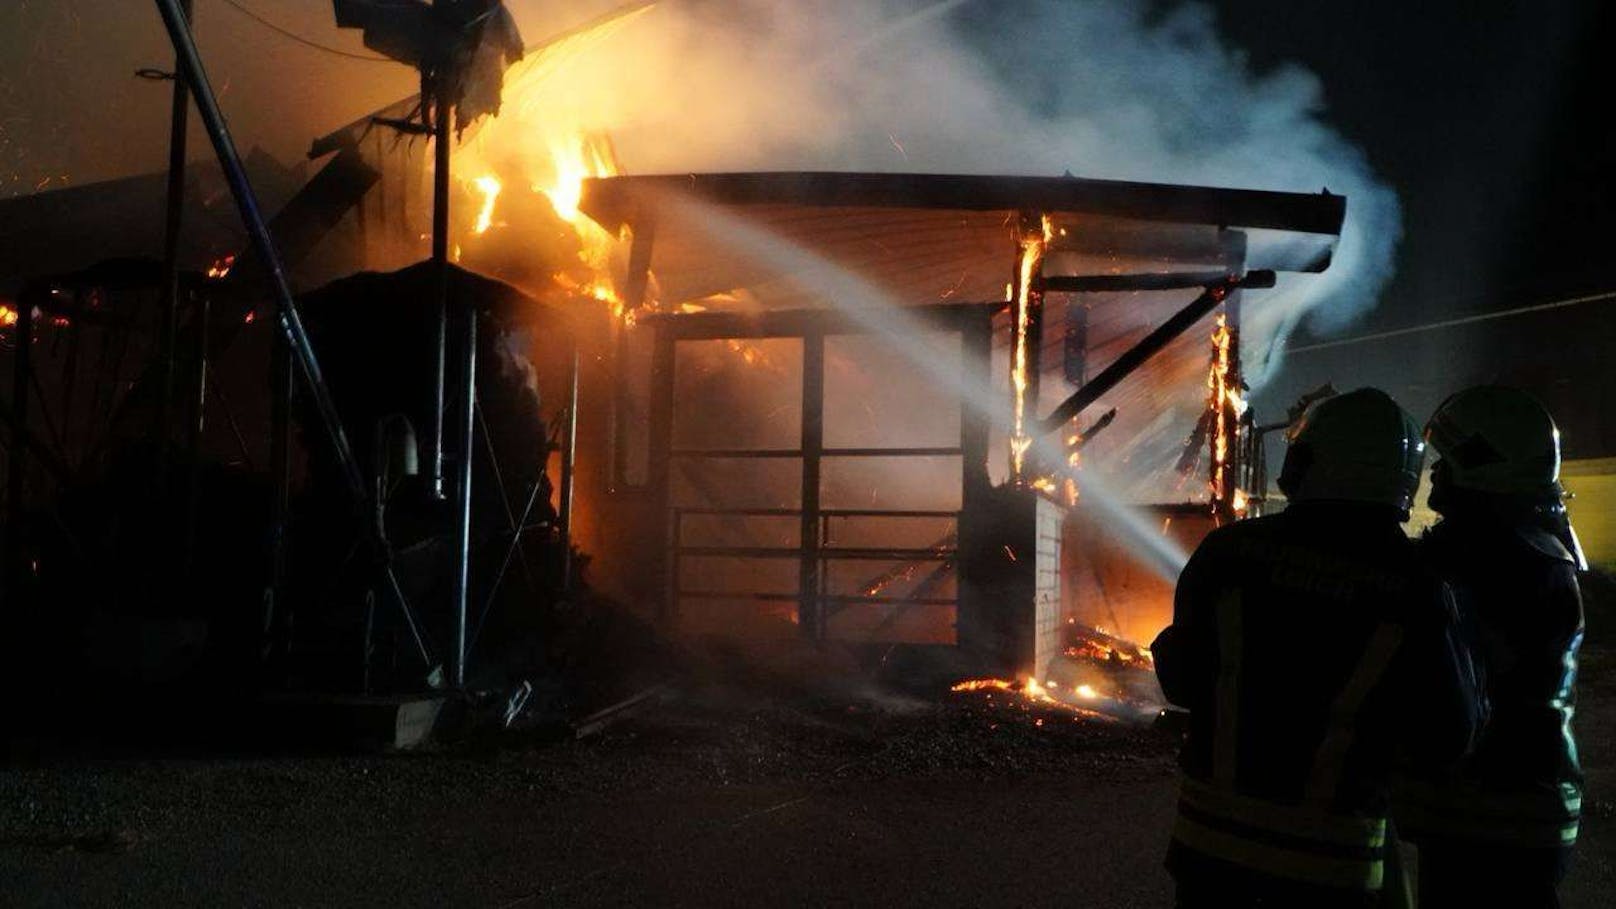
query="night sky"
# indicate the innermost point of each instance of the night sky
(1494, 121)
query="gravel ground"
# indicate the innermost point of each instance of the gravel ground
(722, 798)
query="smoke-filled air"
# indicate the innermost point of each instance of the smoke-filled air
(1096, 89)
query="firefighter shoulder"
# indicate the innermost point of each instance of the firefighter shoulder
(1507, 548)
(1310, 647)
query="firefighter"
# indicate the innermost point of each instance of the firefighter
(1309, 647)
(1500, 830)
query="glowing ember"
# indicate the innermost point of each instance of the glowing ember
(985, 684)
(489, 186)
(221, 266)
(1032, 692)
(8, 316)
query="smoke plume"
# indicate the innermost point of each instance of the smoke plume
(1097, 88)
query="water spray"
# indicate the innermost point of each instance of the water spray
(876, 312)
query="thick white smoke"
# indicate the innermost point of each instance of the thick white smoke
(1098, 88)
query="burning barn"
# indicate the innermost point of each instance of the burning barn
(877, 407)
(973, 420)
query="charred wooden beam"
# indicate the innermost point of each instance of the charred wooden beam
(1086, 284)
(811, 611)
(613, 201)
(792, 323)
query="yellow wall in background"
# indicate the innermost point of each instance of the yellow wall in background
(1592, 484)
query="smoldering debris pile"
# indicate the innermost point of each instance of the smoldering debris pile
(738, 738)
(799, 712)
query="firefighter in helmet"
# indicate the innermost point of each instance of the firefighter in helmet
(1499, 830)
(1310, 647)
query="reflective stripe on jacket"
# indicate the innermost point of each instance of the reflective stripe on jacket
(1300, 843)
(1310, 648)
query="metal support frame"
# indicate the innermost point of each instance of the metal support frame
(440, 258)
(569, 452)
(1150, 345)
(466, 453)
(290, 322)
(179, 111)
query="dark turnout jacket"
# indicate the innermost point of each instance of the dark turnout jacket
(1313, 650)
(1519, 601)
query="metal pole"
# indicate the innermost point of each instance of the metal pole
(178, 122)
(197, 428)
(440, 258)
(569, 448)
(462, 577)
(21, 369)
(278, 617)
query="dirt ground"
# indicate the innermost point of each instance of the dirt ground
(719, 799)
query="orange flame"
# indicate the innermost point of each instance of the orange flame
(221, 266)
(489, 186)
(1225, 405)
(1025, 301)
(1032, 691)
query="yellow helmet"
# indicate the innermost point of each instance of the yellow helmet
(1355, 447)
(1498, 440)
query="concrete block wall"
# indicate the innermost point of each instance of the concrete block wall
(1010, 582)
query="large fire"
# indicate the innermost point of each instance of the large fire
(546, 143)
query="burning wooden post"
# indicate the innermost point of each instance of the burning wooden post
(1226, 402)
(1026, 337)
